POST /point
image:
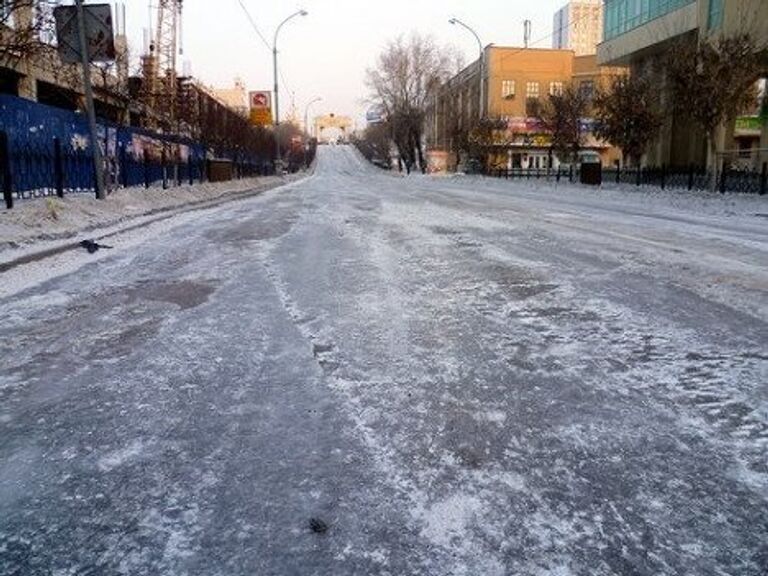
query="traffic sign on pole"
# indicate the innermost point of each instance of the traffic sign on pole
(100, 39)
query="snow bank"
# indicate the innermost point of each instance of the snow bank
(53, 218)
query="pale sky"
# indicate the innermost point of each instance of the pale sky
(327, 52)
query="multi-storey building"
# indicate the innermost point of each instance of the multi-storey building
(235, 98)
(578, 26)
(639, 33)
(512, 78)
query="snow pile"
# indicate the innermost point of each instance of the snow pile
(54, 218)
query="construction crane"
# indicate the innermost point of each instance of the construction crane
(159, 65)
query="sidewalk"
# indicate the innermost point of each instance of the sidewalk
(42, 227)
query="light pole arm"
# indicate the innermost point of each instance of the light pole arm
(283, 23)
(481, 103)
(471, 31)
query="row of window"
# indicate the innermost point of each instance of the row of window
(532, 89)
(508, 89)
(621, 16)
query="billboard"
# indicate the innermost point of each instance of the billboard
(260, 102)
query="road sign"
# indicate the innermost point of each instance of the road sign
(374, 115)
(261, 116)
(260, 99)
(98, 30)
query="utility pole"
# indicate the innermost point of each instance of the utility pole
(276, 72)
(90, 107)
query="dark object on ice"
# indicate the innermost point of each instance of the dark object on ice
(318, 526)
(92, 246)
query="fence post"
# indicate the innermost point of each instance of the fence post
(663, 176)
(58, 168)
(570, 173)
(5, 170)
(764, 179)
(146, 168)
(189, 169)
(163, 162)
(690, 177)
(723, 176)
(123, 165)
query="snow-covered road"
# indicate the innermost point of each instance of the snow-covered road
(458, 376)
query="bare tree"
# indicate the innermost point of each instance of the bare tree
(712, 82)
(23, 23)
(374, 143)
(561, 114)
(482, 137)
(406, 76)
(628, 115)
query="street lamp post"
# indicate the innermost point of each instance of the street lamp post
(306, 114)
(278, 153)
(306, 126)
(458, 22)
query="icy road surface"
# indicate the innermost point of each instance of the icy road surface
(456, 376)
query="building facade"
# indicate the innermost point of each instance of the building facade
(639, 33)
(513, 78)
(234, 98)
(578, 26)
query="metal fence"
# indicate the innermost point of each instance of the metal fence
(729, 179)
(45, 151)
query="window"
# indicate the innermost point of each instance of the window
(715, 19)
(532, 107)
(532, 89)
(6, 17)
(555, 88)
(508, 89)
(621, 16)
(587, 89)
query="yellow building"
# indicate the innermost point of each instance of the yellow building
(512, 79)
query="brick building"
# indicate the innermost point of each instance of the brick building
(513, 78)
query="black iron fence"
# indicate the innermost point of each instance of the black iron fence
(729, 179)
(35, 169)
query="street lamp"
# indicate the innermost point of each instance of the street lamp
(306, 114)
(306, 127)
(278, 154)
(458, 22)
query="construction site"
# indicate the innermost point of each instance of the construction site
(157, 123)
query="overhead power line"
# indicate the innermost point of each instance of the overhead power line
(253, 25)
(263, 39)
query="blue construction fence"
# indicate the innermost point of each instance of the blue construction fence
(46, 151)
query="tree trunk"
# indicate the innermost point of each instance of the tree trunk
(713, 160)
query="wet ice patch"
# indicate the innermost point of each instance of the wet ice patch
(493, 416)
(117, 458)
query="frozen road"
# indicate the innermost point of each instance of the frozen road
(456, 376)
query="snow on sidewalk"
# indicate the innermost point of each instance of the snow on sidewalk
(52, 218)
